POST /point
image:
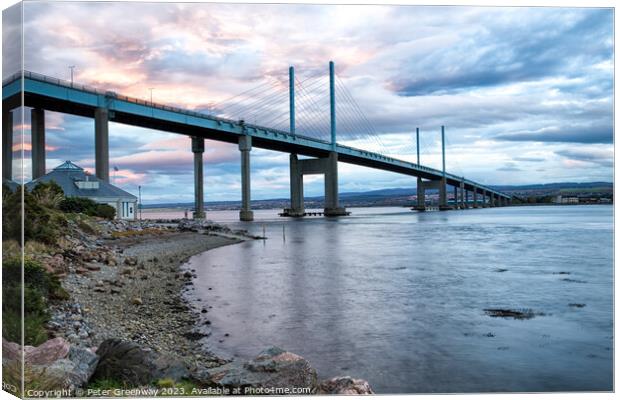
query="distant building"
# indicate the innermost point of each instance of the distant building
(566, 200)
(75, 182)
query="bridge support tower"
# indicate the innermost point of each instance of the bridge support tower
(456, 198)
(327, 166)
(7, 145)
(245, 146)
(37, 138)
(198, 148)
(423, 185)
(102, 147)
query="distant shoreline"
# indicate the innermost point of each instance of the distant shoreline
(153, 210)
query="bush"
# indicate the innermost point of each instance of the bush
(41, 223)
(105, 211)
(48, 195)
(78, 205)
(88, 207)
(40, 287)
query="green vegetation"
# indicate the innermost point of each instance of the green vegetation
(88, 207)
(46, 211)
(42, 222)
(40, 287)
(35, 378)
(183, 387)
(105, 384)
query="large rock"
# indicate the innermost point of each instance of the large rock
(135, 365)
(74, 371)
(44, 354)
(273, 368)
(345, 385)
(54, 362)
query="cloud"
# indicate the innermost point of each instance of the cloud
(602, 157)
(510, 45)
(593, 134)
(529, 159)
(515, 87)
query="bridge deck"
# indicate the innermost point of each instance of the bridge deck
(62, 96)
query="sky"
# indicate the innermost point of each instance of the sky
(525, 94)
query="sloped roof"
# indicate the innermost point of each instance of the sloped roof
(67, 174)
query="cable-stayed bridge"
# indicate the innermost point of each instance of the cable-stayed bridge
(301, 118)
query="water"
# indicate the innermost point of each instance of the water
(398, 297)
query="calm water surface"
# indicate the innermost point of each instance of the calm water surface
(398, 297)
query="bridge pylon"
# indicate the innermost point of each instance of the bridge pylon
(312, 166)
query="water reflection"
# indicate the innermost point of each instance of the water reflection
(398, 297)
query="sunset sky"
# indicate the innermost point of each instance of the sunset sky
(526, 94)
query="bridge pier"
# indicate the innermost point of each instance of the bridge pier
(102, 148)
(492, 200)
(245, 146)
(443, 195)
(327, 166)
(421, 204)
(484, 199)
(456, 197)
(37, 141)
(7, 145)
(475, 198)
(462, 188)
(198, 148)
(440, 185)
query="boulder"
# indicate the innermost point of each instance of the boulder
(345, 385)
(273, 367)
(56, 361)
(74, 371)
(135, 365)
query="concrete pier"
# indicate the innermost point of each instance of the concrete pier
(327, 166)
(484, 199)
(456, 198)
(462, 188)
(102, 147)
(440, 185)
(198, 147)
(332, 204)
(297, 188)
(245, 146)
(475, 198)
(37, 131)
(421, 204)
(443, 195)
(7, 145)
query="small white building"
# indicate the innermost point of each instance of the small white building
(75, 182)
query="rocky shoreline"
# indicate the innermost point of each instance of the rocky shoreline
(139, 299)
(125, 286)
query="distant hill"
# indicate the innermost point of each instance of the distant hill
(401, 196)
(556, 186)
